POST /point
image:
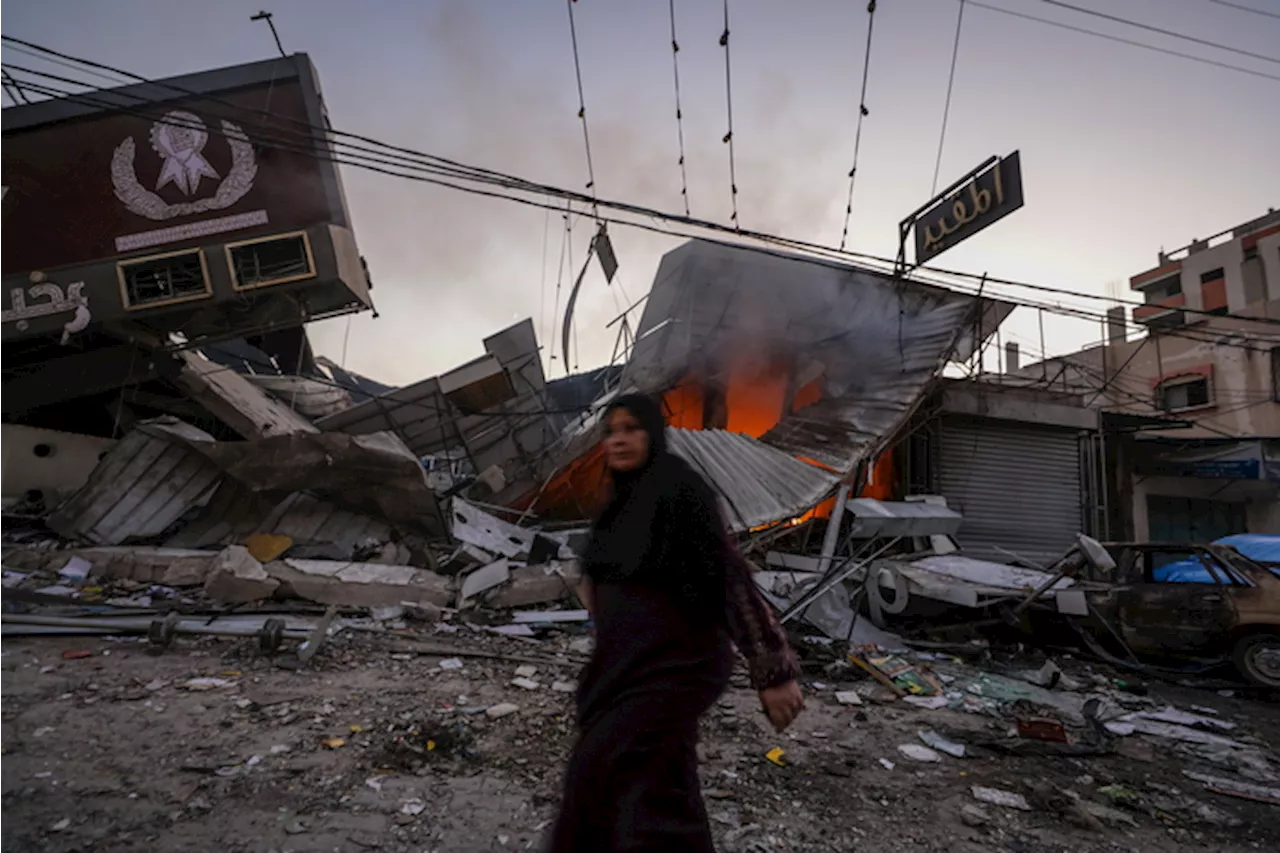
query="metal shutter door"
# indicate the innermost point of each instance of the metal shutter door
(1017, 486)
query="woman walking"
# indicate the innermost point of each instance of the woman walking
(667, 590)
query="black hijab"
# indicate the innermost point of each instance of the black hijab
(662, 524)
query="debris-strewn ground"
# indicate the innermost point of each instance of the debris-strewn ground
(373, 749)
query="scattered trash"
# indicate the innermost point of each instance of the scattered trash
(333, 743)
(916, 752)
(1120, 729)
(938, 742)
(280, 749)
(202, 684)
(887, 764)
(1170, 714)
(931, 703)
(1120, 795)
(776, 756)
(1042, 728)
(547, 616)
(76, 654)
(996, 797)
(61, 825)
(265, 547)
(413, 807)
(76, 570)
(373, 782)
(526, 671)
(526, 683)
(156, 684)
(564, 687)
(1235, 788)
(898, 673)
(295, 827)
(499, 711)
(848, 697)
(43, 730)
(451, 663)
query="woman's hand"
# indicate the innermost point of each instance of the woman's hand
(782, 704)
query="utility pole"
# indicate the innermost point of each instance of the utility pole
(266, 16)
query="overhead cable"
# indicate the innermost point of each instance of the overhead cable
(946, 107)
(675, 71)
(431, 173)
(862, 113)
(1170, 33)
(1121, 40)
(1244, 8)
(582, 101)
(728, 137)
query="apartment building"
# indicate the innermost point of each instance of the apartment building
(1193, 401)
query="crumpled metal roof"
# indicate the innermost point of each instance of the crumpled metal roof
(877, 343)
(757, 483)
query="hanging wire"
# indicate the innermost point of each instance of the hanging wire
(862, 113)
(542, 283)
(582, 107)
(419, 170)
(555, 311)
(675, 71)
(728, 100)
(946, 108)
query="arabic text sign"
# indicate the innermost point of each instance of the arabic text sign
(990, 196)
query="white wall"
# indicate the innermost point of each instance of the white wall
(71, 458)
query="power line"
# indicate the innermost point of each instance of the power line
(463, 172)
(1170, 33)
(728, 137)
(862, 113)
(582, 101)
(675, 70)
(1244, 8)
(946, 107)
(1121, 40)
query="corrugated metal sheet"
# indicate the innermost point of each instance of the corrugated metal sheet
(236, 401)
(235, 512)
(876, 343)
(142, 486)
(757, 483)
(307, 397)
(514, 435)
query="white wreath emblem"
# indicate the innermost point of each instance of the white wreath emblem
(144, 202)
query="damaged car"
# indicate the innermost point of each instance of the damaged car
(1208, 603)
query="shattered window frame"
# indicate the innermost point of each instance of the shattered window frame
(236, 256)
(127, 272)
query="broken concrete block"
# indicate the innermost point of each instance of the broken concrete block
(483, 579)
(359, 584)
(168, 566)
(531, 585)
(236, 577)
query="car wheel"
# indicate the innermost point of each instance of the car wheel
(1257, 657)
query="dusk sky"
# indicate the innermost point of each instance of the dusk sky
(1124, 150)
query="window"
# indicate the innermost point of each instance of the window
(1165, 288)
(1211, 275)
(1251, 252)
(1184, 394)
(273, 260)
(163, 279)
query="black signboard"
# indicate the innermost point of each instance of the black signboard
(989, 196)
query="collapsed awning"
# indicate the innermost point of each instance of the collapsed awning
(758, 484)
(874, 342)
